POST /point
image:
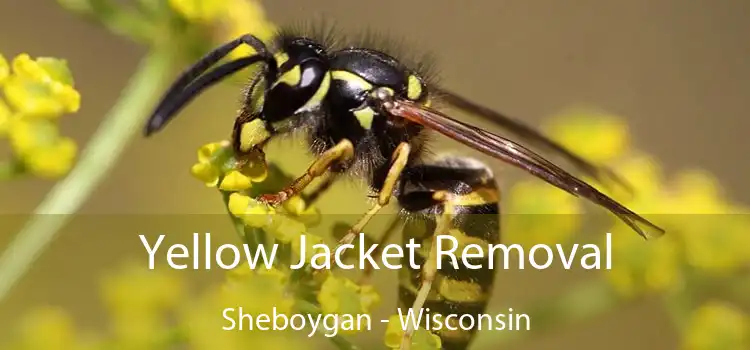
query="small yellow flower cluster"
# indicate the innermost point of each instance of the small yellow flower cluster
(152, 309)
(232, 18)
(49, 328)
(335, 295)
(717, 325)
(257, 292)
(421, 339)
(537, 213)
(707, 235)
(215, 162)
(341, 296)
(705, 231)
(217, 167)
(138, 301)
(36, 93)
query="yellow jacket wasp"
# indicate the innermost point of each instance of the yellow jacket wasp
(366, 113)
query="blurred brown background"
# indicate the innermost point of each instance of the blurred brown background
(677, 70)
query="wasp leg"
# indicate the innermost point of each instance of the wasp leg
(429, 269)
(314, 195)
(341, 152)
(398, 163)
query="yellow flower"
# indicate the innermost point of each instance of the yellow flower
(138, 300)
(6, 116)
(721, 247)
(207, 152)
(215, 162)
(52, 161)
(714, 233)
(42, 87)
(341, 296)
(244, 17)
(286, 229)
(641, 267)
(44, 69)
(421, 339)
(540, 214)
(207, 168)
(4, 69)
(135, 289)
(251, 292)
(259, 292)
(232, 17)
(206, 173)
(311, 240)
(27, 135)
(201, 11)
(53, 329)
(644, 174)
(297, 207)
(250, 211)
(235, 181)
(696, 192)
(48, 328)
(43, 151)
(596, 136)
(717, 326)
(38, 91)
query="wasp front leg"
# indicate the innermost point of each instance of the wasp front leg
(342, 152)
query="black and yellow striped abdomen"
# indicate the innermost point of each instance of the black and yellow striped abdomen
(473, 200)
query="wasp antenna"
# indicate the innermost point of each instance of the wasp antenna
(170, 107)
(190, 82)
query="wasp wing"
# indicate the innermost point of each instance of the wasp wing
(519, 156)
(529, 134)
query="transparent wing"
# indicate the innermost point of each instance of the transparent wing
(532, 136)
(519, 156)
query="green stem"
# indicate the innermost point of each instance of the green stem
(106, 146)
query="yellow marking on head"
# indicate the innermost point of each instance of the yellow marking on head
(291, 77)
(461, 291)
(320, 94)
(413, 88)
(281, 58)
(484, 195)
(258, 96)
(252, 134)
(365, 117)
(351, 78)
(428, 102)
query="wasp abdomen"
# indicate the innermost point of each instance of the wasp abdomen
(473, 201)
